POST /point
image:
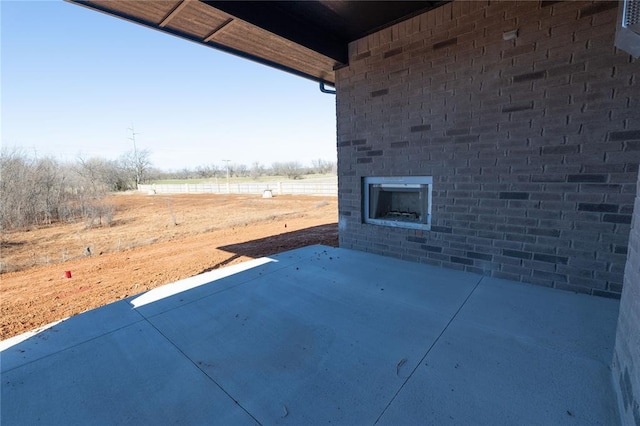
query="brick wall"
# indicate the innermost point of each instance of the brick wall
(533, 143)
(626, 359)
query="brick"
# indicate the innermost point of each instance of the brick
(591, 207)
(392, 52)
(549, 178)
(587, 178)
(420, 128)
(549, 258)
(625, 135)
(458, 131)
(600, 188)
(445, 43)
(505, 275)
(481, 256)
(620, 250)
(516, 51)
(544, 232)
(517, 269)
(604, 168)
(617, 218)
(399, 73)
(550, 276)
(519, 236)
(413, 239)
(560, 149)
(461, 260)
(517, 107)
(529, 76)
(598, 7)
(465, 139)
(632, 145)
(401, 144)
(514, 195)
(380, 92)
(361, 56)
(516, 253)
(607, 294)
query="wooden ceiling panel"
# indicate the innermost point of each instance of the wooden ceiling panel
(198, 19)
(261, 43)
(149, 11)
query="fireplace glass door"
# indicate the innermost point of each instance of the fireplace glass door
(398, 201)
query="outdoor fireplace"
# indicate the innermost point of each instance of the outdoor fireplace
(403, 201)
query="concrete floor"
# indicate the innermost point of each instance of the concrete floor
(322, 335)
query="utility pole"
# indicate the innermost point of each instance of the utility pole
(136, 161)
(228, 186)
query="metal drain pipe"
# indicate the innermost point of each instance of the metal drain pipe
(325, 90)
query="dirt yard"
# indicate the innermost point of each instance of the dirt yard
(152, 240)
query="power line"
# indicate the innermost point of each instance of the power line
(136, 160)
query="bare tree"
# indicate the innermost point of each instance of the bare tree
(116, 176)
(42, 190)
(323, 166)
(48, 183)
(32, 190)
(208, 171)
(256, 170)
(137, 163)
(239, 170)
(91, 171)
(14, 171)
(102, 175)
(290, 169)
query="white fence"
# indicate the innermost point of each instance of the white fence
(277, 188)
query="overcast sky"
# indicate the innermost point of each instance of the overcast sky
(74, 81)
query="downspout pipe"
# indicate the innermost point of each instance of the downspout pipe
(323, 89)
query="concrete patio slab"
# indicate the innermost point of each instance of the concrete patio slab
(194, 288)
(76, 330)
(129, 376)
(322, 335)
(476, 375)
(560, 320)
(308, 343)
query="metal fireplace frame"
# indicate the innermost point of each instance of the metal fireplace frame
(402, 184)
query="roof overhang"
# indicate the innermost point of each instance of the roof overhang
(307, 38)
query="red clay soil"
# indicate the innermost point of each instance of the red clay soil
(152, 240)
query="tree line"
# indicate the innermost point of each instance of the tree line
(46, 190)
(290, 169)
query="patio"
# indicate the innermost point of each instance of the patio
(322, 335)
